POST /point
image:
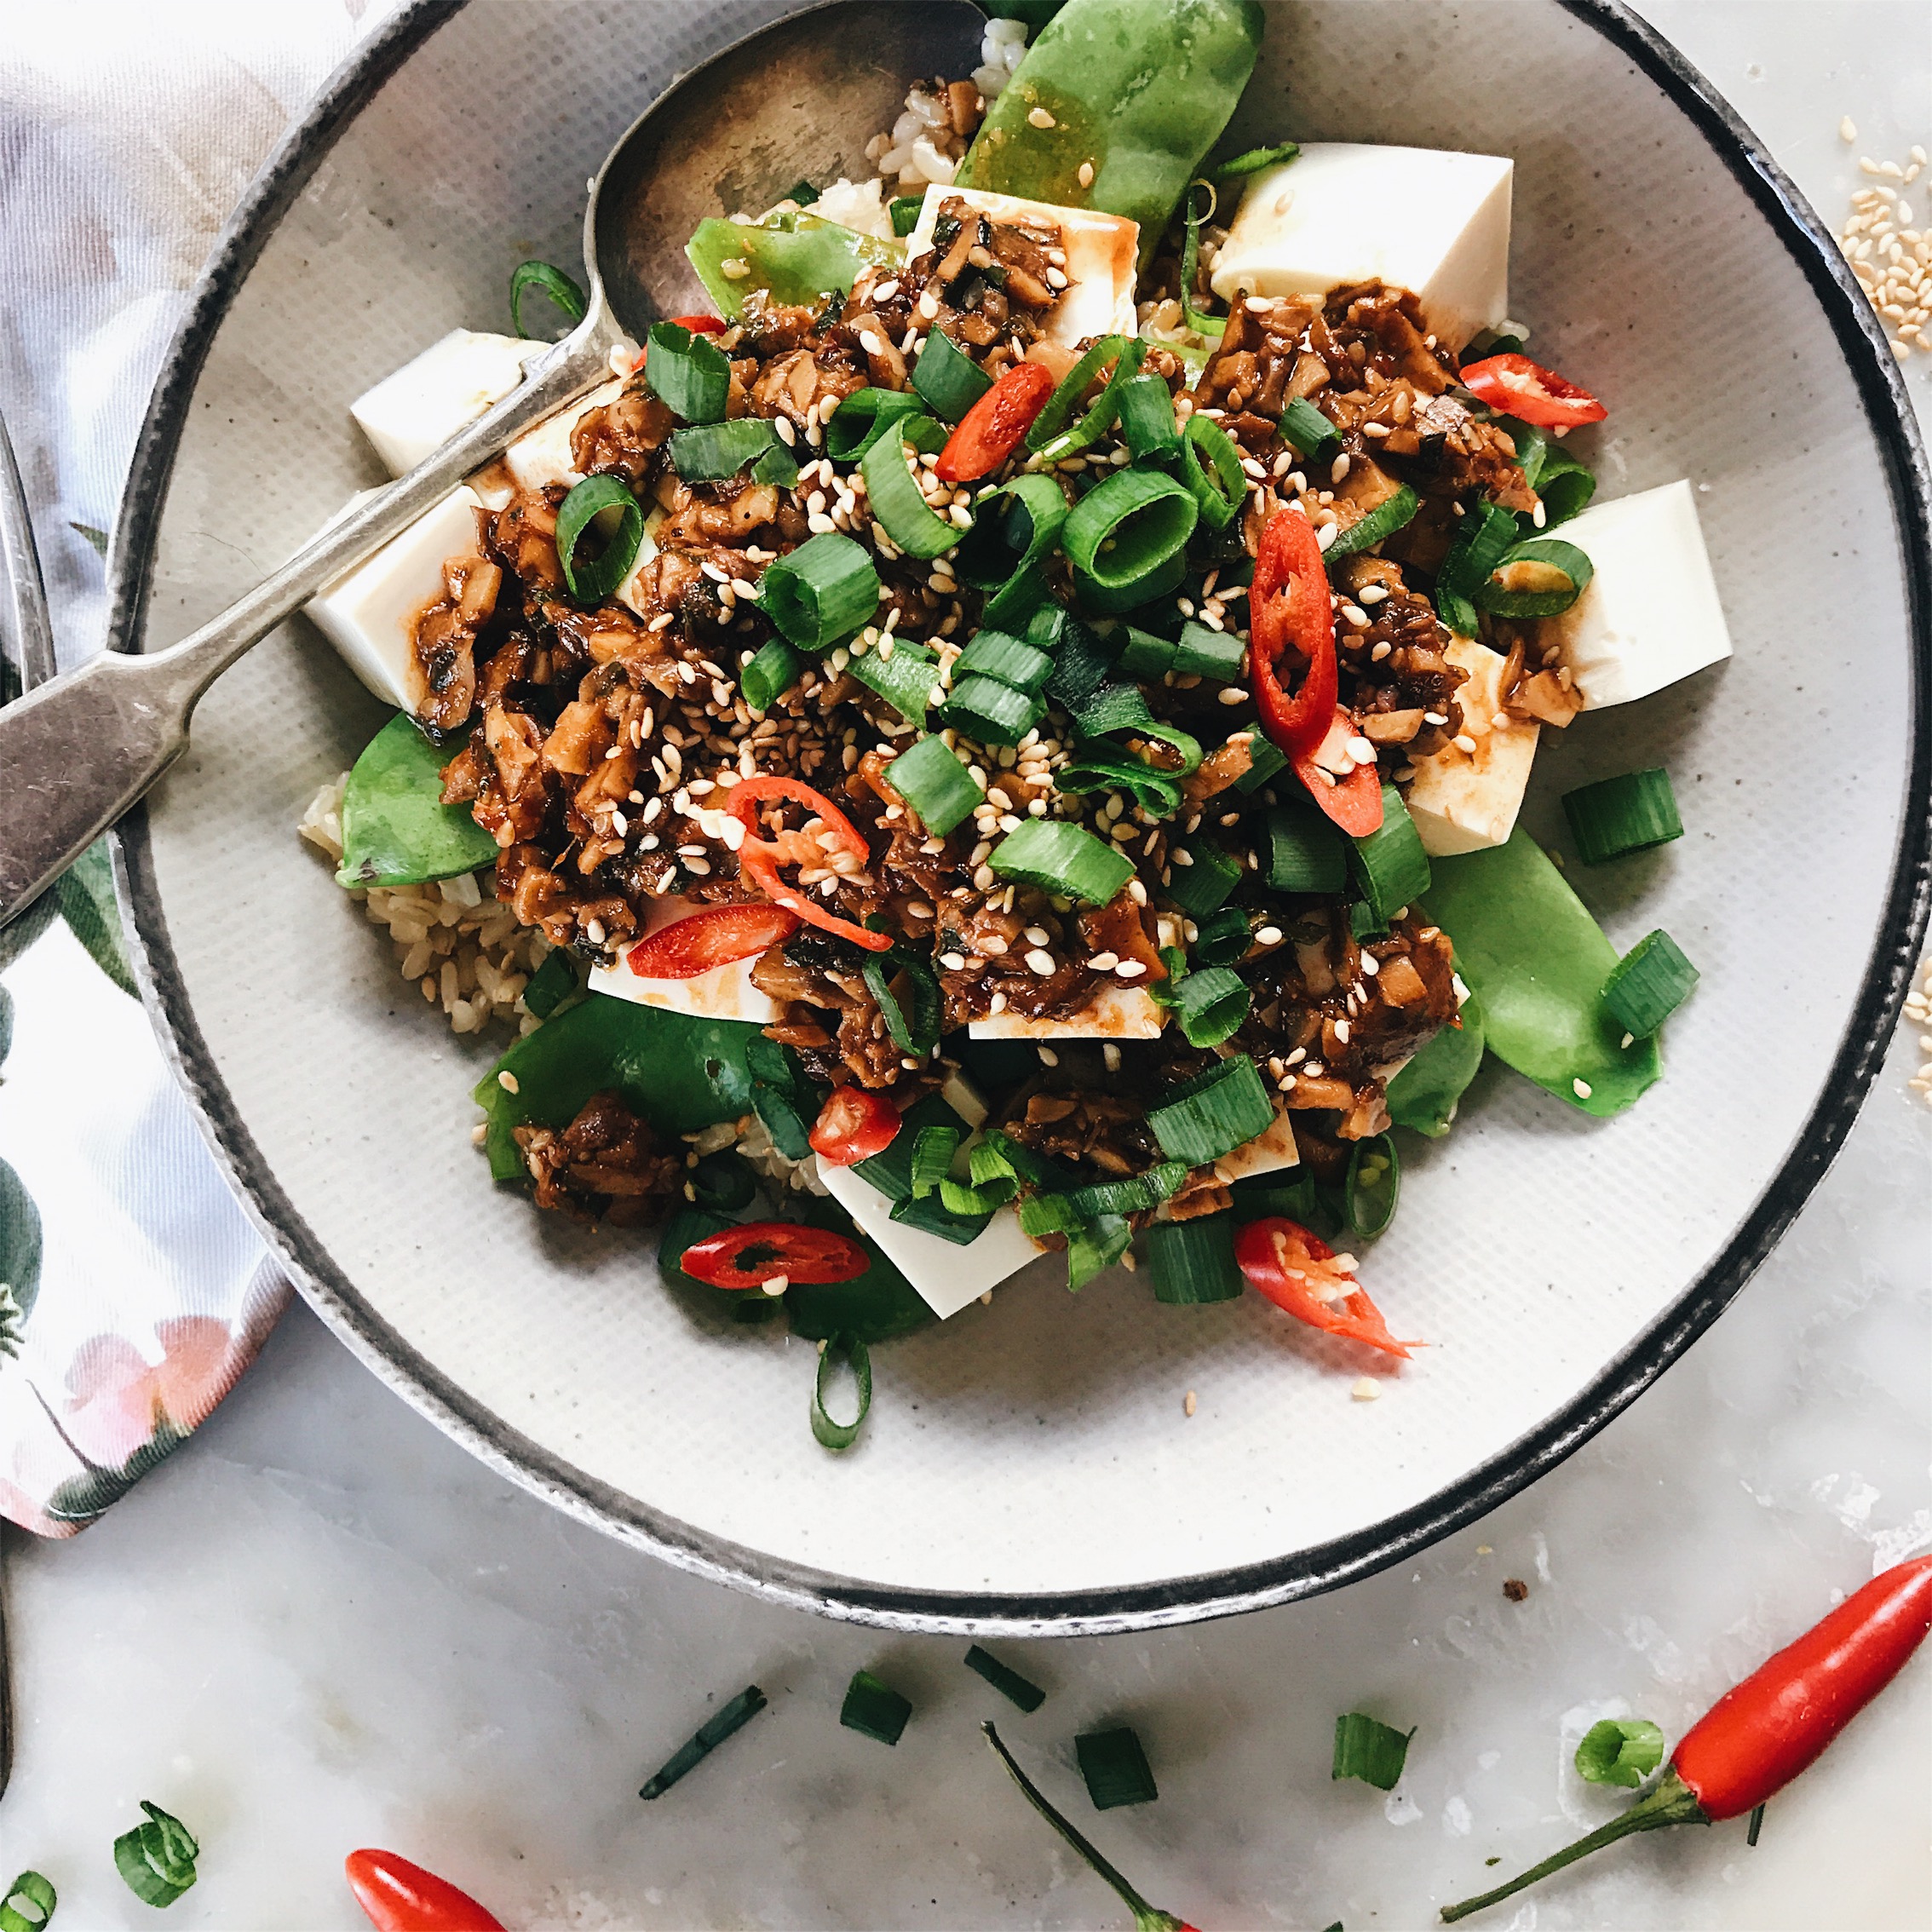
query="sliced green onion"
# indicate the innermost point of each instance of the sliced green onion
(723, 1181)
(933, 1216)
(1007, 1681)
(1212, 1114)
(1648, 984)
(1373, 1187)
(715, 451)
(961, 1198)
(1082, 663)
(1212, 327)
(1203, 653)
(1266, 759)
(157, 1859)
(1063, 858)
(1052, 421)
(904, 211)
(688, 372)
(1307, 851)
(1223, 938)
(565, 296)
(1311, 432)
(1619, 1751)
(989, 1163)
(1144, 658)
(897, 501)
(1383, 521)
(906, 678)
(1539, 578)
(1049, 1214)
(1366, 923)
(891, 1171)
(790, 1128)
(1757, 1823)
(1146, 420)
(1136, 1194)
(1041, 501)
(820, 593)
(995, 654)
(864, 417)
(1046, 627)
(1094, 1247)
(1136, 521)
(932, 1158)
(1370, 1751)
(1389, 865)
(1115, 1768)
(932, 779)
(1212, 466)
(1099, 767)
(551, 984)
(948, 378)
(1211, 1005)
(31, 1893)
(1185, 746)
(873, 1708)
(1616, 816)
(1297, 1195)
(771, 673)
(1255, 159)
(709, 1735)
(1566, 487)
(591, 583)
(1202, 884)
(915, 1031)
(778, 467)
(834, 1435)
(1483, 539)
(1193, 1262)
(1111, 707)
(992, 712)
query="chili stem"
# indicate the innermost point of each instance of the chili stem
(1670, 1801)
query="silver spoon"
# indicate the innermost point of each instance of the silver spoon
(795, 100)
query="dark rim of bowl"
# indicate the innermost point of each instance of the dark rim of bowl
(1140, 1607)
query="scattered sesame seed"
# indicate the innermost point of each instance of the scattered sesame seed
(1188, 1405)
(1365, 1389)
(507, 1081)
(1040, 961)
(1040, 118)
(1581, 1088)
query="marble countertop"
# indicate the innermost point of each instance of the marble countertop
(322, 1625)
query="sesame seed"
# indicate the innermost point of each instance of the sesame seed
(1365, 1389)
(1040, 961)
(1129, 970)
(1040, 118)
(1465, 743)
(1086, 174)
(1581, 1088)
(507, 1081)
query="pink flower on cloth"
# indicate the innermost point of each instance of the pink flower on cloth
(122, 1403)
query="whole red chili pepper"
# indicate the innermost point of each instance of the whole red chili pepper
(1758, 1736)
(401, 1897)
(1146, 1917)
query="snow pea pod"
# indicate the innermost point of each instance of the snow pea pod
(798, 259)
(1140, 89)
(1424, 1094)
(1536, 959)
(396, 829)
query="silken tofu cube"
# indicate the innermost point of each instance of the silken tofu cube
(1466, 800)
(410, 415)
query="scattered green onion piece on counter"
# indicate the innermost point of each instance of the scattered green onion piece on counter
(1255, 159)
(1192, 1263)
(565, 296)
(709, 1735)
(1389, 865)
(1424, 1095)
(1134, 1194)
(32, 1892)
(1266, 760)
(1049, 1214)
(790, 1128)
(904, 211)
(1223, 938)
(1211, 1005)
(915, 1031)
(1311, 432)
(897, 503)
(947, 377)
(1111, 707)
(551, 984)
(1007, 1681)
(591, 583)
(1368, 1751)
(715, 451)
(1540, 578)
(772, 671)
(1381, 523)
(1756, 1826)
(156, 1858)
(932, 1158)
(1205, 652)
(1134, 521)
(820, 593)
(1063, 858)
(993, 653)
(874, 1709)
(864, 417)
(689, 373)
(1373, 1187)
(1115, 1768)
(1144, 658)
(931, 778)
(1212, 465)
(1619, 1751)
(1202, 886)
(908, 679)
(1146, 420)
(1648, 984)
(1052, 420)
(1483, 539)
(1212, 1114)
(1617, 816)
(1094, 1247)
(833, 1434)
(1307, 851)
(992, 712)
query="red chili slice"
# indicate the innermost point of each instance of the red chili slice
(759, 856)
(1353, 803)
(853, 1124)
(750, 1255)
(990, 431)
(1289, 604)
(1520, 388)
(718, 937)
(698, 324)
(1290, 1266)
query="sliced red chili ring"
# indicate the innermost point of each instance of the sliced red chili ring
(1291, 1266)
(1289, 604)
(1520, 388)
(758, 1252)
(719, 936)
(759, 856)
(855, 1124)
(1354, 801)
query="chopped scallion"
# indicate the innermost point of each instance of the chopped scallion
(992, 712)
(1307, 851)
(565, 296)
(709, 1735)
(995, 654)
(1192, 1263)
(1201, 885)
(907, 678)
(1098, 766)
(1110, 708)
(1648, 984)
(1115, 1768)
(1483, 539)
(1212, 1114)
(1006, 1681)
(820, 593)
(1617, 816)
(1082, 663)
(1537, 579)
(1135, 524)
(1034, 519)
(864, 417)
(1266, 760)
(688, 372)
(590, 582)
(1370, 1751)
(1223, 938)
(948, 378)
(932, 1158)
(1146, 420)
(1389, 864)
(1254, 160)
(1136, 1194)
(873, 1708)
(1311, 432)
(1373, 1187)
(916, 1030)
(790, 1128)
(1619, 1751)
(1144, 658)
(1211, 1005)
(898, 503)
(830, 1433)
(1202, 653)
(1211, 465)
(932, 780)
(772, 672)
(1064, 859)
(1381, 522)
(904, 211)
(156, 1858)
(1052, 421)
(1094, 1247)
(1049, 1214)
(713, 452)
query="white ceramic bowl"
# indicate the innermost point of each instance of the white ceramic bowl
(1028, 1465)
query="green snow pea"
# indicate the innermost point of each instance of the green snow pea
(1532, 955)
(795, 258)
(1423, 1094)
(1140, 89)
(396, 830)
(676, 1072)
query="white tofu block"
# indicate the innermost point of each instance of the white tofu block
(369, 614)
(726, 993)
(541, 456)
(415, 412)
(948, 1277)
(1114, 1013)
(1101, 254)
(1419, 218)
(1650, 615)
(1269, 1152)
(1466, 800)
(630, 593)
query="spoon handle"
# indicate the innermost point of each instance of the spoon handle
(82, 748)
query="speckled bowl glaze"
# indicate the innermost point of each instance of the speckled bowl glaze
(1028, 1465)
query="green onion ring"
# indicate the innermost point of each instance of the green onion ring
(900, 506)
(1370, 1198)
(1212, 326)
(1220, 485)
(919, 1032)
(822, 592)
(591, 583)
(837, 1435)
(1100, 418)
(565, 295)
(1128, 526)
